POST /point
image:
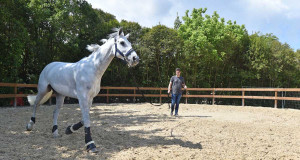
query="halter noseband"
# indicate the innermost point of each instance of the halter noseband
(124, 56)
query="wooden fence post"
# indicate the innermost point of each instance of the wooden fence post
(15, 92)
(243, 99)
(107, 97)
(186, 98)
(275, 102)
(134, 92)
(160, 96)
(213, 95)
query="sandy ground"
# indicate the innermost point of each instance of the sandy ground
(142, 131)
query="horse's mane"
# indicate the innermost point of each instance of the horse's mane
(112, 35)
(92, 47)
(95, 47)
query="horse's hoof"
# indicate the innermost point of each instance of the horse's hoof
(29, 127)
(91, 148)
(94, 150)
(68, 130)
(56, 135)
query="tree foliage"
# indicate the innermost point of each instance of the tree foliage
(160, 51)
(47, 31)
(214, 49)
(271, 63)
(210, 51)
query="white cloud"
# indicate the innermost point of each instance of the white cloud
(147, 13)
(269, 8)
(268, 5)
(294, 9)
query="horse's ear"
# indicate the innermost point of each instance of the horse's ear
(121, 33)
(127, 35)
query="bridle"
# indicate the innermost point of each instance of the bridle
(128, 53)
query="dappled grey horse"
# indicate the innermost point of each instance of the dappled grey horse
(82, 80)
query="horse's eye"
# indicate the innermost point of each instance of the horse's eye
(122, 43)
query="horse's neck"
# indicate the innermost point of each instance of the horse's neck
(102, 57)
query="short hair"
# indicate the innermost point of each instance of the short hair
(177, 69)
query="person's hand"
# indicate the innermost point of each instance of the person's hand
(168, 91)
(185, 87)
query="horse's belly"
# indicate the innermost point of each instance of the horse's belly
(65, 90)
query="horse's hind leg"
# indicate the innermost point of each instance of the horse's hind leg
(42, 91)
(59, 102)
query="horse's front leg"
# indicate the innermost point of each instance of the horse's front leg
(74, 127)
(85, 104)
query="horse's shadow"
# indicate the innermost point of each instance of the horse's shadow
(113, 125)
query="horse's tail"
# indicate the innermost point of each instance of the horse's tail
(31, 99)
(93, 47)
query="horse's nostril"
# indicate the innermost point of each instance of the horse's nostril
(134, 58)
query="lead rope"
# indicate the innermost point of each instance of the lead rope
(138, 88)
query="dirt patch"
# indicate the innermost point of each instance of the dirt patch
(142, 131)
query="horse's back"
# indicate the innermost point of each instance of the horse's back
(56, 68)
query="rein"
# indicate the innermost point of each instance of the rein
(145, 98)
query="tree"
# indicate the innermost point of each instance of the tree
(160, 51)
(13, 38)
(44, 31)
(177, 22)
(213, 51)
(271, 63)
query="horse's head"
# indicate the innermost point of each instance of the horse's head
(124, 50)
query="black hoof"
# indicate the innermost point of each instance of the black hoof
(68, 130)
(91, 148)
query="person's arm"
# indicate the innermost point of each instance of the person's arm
(183, 84)
(170, 87)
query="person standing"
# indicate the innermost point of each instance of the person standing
(176, 84)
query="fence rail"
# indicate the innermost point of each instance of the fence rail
(213, 94)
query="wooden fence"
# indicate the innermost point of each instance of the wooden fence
(212, 94)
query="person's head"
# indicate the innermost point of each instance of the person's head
(178, 72)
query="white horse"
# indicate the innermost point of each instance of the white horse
(82, 80)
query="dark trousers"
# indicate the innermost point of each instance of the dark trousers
(175, 100)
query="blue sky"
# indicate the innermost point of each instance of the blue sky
(280, 17)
